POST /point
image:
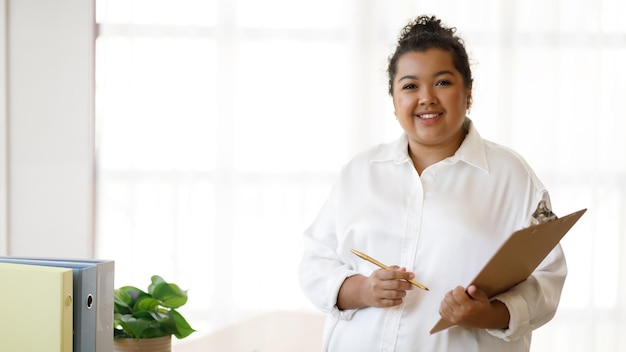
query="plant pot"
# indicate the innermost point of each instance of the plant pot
(157, 344)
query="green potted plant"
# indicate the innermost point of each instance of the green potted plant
(146, 321)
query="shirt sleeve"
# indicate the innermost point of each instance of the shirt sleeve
(533, 302)
(321, 271)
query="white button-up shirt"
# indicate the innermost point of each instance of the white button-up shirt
(443, 226)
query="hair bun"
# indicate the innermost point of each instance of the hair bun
(425, 26)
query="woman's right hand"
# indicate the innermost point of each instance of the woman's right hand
(383, 289)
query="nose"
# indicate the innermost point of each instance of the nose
(427, 97)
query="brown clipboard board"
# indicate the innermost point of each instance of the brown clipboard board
(518, 257)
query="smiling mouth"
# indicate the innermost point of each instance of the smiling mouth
(429, 116)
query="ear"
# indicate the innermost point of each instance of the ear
(469, 97)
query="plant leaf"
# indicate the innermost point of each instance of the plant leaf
(135, 327)
(122, 302)
(133, 292)
(119, 333)
(170, 295)
(155, 279)
(147, 303)
(183, 329)
(165, 321)
(143, 315)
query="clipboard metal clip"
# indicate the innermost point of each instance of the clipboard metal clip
(543, 214)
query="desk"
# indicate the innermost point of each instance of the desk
(271, 332)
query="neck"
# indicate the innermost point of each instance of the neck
(424, 156)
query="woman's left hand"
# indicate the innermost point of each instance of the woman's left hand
(472, 308)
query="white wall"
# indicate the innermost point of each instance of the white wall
(3, 130)
(49, 119)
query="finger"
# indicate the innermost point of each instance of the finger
(406, 275)
(384, 275)
(384, 281)
(397, 274)
(477, 294)
(389, 298)
(447, 302)
(461, 296)
(446, 311)
(396, 285)
(455, 297)
(452, 307)
(386, 303)
(393, 294)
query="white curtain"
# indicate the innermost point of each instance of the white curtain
(221, 125)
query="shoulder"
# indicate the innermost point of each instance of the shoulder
(500, 154)
(505, 160)
(491, 156)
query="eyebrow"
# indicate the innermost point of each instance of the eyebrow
(437, 74)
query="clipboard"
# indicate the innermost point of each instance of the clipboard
(520, 254)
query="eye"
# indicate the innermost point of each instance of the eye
(409, 86)
(443, 82)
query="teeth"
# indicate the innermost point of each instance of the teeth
(429, 116)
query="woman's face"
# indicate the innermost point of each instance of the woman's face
(430, 99)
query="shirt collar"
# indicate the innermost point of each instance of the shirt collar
(471, 151)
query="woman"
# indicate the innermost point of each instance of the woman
(437, 202)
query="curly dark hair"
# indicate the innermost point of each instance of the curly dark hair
(427, 32)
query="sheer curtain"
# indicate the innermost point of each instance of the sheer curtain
(222, 124)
